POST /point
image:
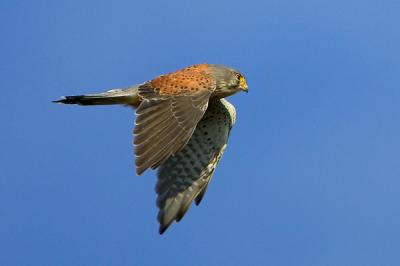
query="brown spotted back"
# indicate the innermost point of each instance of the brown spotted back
(189, 80)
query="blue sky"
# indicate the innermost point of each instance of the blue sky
(311, 175)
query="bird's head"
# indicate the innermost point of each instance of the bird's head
(228, 81)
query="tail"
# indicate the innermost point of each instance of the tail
(128, 96)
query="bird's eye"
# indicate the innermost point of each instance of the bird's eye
(238, 76)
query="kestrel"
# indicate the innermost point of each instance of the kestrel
(182, 128)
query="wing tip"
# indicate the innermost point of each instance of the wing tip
(139, 171)
(164, 224)
(162, 229)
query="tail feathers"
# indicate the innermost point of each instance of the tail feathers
(127, 96)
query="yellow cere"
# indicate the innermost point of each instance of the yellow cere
(243, 83)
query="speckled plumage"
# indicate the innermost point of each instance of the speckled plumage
(184, 176)
(182, 128)
(188, 80)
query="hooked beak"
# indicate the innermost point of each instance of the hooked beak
(243, 85)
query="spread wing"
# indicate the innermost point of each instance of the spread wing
(165, 120)
(184, 177)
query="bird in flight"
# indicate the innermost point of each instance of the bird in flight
(182, 127)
